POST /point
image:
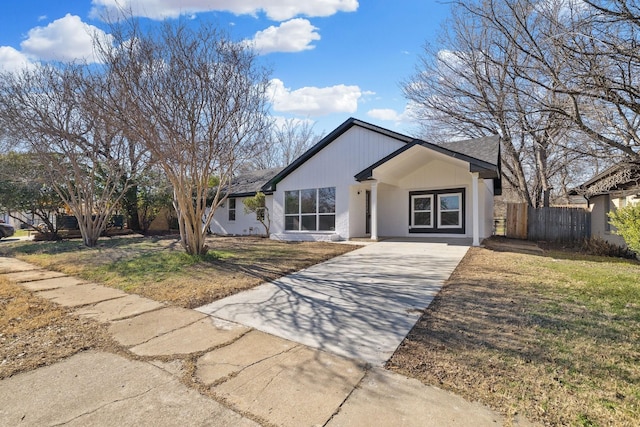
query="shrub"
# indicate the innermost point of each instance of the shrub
(600, 247)
(257, 205)
(627, 222)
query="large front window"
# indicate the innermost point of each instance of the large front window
(313, 209)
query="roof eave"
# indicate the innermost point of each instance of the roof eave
(344, 127)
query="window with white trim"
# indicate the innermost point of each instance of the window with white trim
(422, 210)
(313, 209)
(450, 210)
(232, 209)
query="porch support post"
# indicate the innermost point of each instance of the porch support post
(475, 209)
(374, 210)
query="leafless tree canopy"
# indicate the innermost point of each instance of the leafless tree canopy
(52, 111)
(556, 79)
(283, 143)
(196, 100)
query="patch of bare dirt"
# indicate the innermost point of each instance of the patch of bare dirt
(35, 332)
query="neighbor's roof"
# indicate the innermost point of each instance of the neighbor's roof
(618, 177)
(249, 183)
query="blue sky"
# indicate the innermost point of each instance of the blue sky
(330, 59)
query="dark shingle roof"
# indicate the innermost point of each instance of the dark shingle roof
(483, 154)
(486, 148)
(249, 183)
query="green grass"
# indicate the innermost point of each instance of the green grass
(21, 233)
(554, 338)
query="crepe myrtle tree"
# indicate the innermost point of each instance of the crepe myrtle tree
(197, 101)
(58, 114)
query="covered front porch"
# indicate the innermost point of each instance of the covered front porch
(420, 192)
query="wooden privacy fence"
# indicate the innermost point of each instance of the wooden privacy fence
(548, 224)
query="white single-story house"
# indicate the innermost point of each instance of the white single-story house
(616, 187)
(362, 180)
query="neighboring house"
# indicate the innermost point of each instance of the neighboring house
(17, 219)
(614, 188)
(362, 180)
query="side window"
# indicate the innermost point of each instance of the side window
(232, 209)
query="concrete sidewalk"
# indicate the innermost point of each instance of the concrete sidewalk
(246, 377)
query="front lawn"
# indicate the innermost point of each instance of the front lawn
(554, 338)
(159, 269)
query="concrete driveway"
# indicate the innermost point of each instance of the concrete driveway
(359, 305)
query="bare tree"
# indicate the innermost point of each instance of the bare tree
(196, 100)
(53, 111)
(284, 143)
(467, 91)
(597, 44)
(503, 74)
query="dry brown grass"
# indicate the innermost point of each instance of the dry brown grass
(158, 268)
(35, 332)
(531, 335)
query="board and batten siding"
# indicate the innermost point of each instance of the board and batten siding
(244, 224)
(333, 166)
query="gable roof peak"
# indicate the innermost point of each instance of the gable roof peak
(332, 136)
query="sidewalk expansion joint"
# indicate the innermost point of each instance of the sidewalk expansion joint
(90, 304)
(157, 336)
(130, 316)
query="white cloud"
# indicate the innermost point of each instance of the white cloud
(64, 39)
(12, 60)
(391, 115)
(386, 114)
(277, 10)
(291, 36)
(314, 101)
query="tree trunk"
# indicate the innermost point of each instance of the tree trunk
(191, 234)
(130, 202)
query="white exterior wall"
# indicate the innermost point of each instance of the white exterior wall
(357, 209)
(485, 188)
(333, 166)
(438, 175)
(393, 211)
(600, 219)
(244, 224)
